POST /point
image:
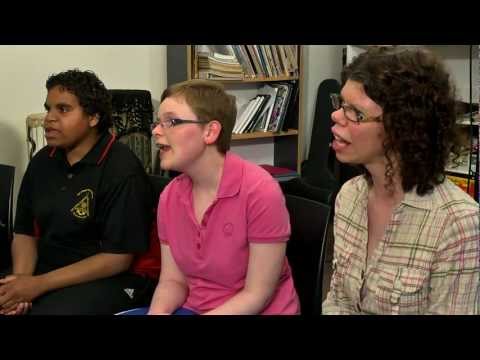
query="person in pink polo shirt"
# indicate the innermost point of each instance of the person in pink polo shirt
(224, 224)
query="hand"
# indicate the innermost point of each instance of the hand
(157, 313)
(16, 289)
(17, 309)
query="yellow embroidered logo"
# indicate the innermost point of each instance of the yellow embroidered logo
(81, 209)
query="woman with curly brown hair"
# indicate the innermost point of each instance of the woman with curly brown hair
(407, 240)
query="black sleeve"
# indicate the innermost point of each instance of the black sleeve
(126, 215)
(24, 219)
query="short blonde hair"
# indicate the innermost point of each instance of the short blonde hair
(209, 101)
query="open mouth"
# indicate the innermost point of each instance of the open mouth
(163, 147)
(50, 132)
(340, 140)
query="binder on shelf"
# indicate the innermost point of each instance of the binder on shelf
(280, 173)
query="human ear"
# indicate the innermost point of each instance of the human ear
(94, 120)
(212, 132)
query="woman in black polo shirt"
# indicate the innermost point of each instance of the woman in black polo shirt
(84, 210)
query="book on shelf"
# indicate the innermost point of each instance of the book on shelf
(284, 60)
(256, 119)
(214, 65)
(278, 116)
(255, 60)
(280, 173)
(218, 75)
(268, 109)
(270, 113)
(252, 61)
(290, 120)
(276, 60)
(243, 59)
(247, 114)
(242, 114)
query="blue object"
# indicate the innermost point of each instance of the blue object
(184, 311)
(136, 311)
(144, 311)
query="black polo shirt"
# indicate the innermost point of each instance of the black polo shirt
(103, 203)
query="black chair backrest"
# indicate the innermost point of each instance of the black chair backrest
(305, 250)
(318, 169)
(132, 113)
(7, 176)
(158, 184)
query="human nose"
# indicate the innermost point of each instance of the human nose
(49, 116)
(338, 117)
(157, 129)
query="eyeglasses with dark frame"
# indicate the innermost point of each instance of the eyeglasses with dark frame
(350, 112)
(164, 124)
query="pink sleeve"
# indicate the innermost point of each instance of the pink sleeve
(268, 218)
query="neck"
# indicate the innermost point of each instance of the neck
(394, 193)
(76, 153)
(207, 171)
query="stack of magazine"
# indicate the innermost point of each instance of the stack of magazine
(213, 65)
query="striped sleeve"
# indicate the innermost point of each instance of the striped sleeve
(455, 277)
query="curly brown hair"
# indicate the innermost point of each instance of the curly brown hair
(417, 96)
(90, 91)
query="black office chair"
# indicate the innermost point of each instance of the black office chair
(132, 113)
(7, 176)
(306, 250)
(318, 181)
(158, 184)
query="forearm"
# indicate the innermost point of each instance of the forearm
(95, 267)
(169, 296)
(244, 302)
(24, 254)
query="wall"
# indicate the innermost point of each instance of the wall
(24, 70)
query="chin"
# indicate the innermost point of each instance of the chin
(167, 165)
(344, 159)
(54, 143)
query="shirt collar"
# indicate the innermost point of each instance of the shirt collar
(97, 153)
(231, 177)
(422, 202)
(411, 198)
(230, 182)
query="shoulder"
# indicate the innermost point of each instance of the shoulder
(458, 208)
(122, 162)
(41, 156)
(42, 162)
(255, 177)
(352, 189)
(448, 198)
(175, 187)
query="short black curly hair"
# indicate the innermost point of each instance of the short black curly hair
(417, 96)
(92, 94)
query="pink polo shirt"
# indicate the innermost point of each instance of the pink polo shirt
(213, 255)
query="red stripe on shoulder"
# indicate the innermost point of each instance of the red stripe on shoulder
(107, 149)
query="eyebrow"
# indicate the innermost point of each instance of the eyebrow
(169, 113)
(46, 106)
(351, 105)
